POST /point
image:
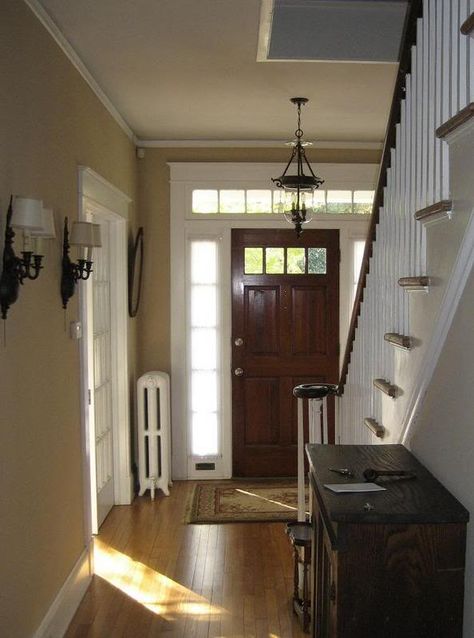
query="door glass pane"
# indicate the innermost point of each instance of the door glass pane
(274, 261)
(317, 261)
(363, 202)
(203, 306)
(295, 258)
(253, 261)
(205, 201)
(203, 262)
(232, 201)
(339, 202)
(203, 359)
(259, 201)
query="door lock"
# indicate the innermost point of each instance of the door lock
(238, 372)
(239, 341)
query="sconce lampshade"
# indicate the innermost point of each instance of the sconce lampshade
(47, 231)
(27, 213)
(85, 234)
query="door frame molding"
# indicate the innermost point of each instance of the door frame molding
(96, 193)
(184, 177)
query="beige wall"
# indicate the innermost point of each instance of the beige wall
(154, 206)
(50, 122)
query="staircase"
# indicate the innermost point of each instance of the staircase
(419, 250)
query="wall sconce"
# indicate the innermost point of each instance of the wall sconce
(86, 235)
(29, 215)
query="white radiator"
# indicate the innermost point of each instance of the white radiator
(154, 449)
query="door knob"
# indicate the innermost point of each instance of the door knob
(239, 341)
(238, 372)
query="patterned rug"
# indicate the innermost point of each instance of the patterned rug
(243, 501)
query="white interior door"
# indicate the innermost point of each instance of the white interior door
(104, 353)
(102, 373)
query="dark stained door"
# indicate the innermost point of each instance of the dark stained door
(285, 331)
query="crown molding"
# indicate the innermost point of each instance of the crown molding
(372, 146)
(57, 35)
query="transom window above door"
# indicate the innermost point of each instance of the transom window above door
(284, 260)
(268, 201)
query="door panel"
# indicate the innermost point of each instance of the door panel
(289, 326)
(308, 320)
(262, 319)
(261, 411)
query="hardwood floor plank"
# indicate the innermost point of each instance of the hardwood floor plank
(159, 577)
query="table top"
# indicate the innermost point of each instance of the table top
(417, 500)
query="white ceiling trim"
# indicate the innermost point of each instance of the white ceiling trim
(53, 29)
(372, 146)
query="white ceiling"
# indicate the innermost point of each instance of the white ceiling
(187, 70)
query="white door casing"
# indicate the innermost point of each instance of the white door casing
(102, 203)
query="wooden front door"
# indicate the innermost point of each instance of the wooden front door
(285, 331)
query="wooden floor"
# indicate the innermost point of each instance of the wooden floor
(156, 576)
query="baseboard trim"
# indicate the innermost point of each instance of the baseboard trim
(59, 615)
(454, 290)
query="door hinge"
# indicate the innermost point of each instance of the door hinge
(339, 254)
(89, 399)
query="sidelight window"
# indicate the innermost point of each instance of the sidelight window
(204, 355)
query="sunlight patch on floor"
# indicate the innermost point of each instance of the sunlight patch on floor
(156, 592)
(269, 500)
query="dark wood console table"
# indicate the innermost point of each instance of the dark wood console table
(384, 564)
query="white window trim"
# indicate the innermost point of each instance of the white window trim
(185, 225)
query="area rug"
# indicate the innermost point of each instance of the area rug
(243, 501)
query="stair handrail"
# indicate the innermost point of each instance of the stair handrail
(414, 11)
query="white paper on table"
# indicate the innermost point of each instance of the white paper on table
(347, 488)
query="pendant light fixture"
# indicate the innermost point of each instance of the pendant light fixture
(298, 187)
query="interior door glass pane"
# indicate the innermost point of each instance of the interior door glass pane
(205, 201)
(317, 261)
(274, 261)
(203, 306)
(363, 201)
(203, 391)
(203, 349)
(339, 202)
(253, 261)
(203, 262)
(259, 201)
(232, 201)
(295, 259)
(204, 434)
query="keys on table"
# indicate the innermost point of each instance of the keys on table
(343, 471)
